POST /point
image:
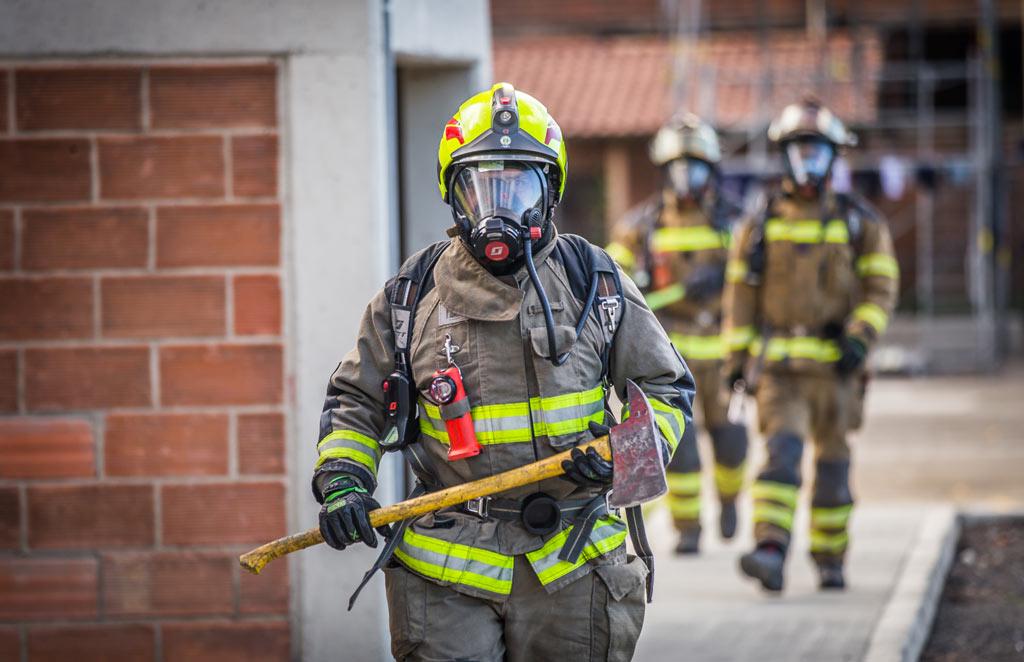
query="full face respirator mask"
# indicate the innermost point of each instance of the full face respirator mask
(499, 206)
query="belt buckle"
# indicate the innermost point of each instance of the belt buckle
(478, 506)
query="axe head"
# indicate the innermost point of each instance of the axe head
(636, 454)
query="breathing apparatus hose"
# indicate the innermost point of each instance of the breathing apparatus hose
(532, 217)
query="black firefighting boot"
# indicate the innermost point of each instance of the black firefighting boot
(689, 542)
(830, 576)
(765, 564)
(727, 519)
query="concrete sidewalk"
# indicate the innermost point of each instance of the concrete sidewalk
(704, 610)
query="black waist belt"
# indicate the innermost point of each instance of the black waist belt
(542, 514)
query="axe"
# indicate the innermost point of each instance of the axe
(632, 446)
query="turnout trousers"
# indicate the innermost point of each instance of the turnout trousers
(792, 408)
(728, 441)
(598, 617)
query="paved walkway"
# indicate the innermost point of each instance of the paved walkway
(927, 440)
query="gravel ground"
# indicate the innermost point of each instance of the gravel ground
(981, 615)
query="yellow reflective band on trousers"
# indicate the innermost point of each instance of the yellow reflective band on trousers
(740, 338)
(729, 480)
(831, 518)
(810, 231)
(798, 347)
(570, 413)
(665, 296)
(878, 264)
(683, 484)
(670, 421)
(349, 445)
(699, 348)
(621, 254)
(736, 271)
(685, 239)
(873, 315)
(684, 508)
(829, 543)
(778, 492)
(769, 513)
(455, 563)
(608, 534)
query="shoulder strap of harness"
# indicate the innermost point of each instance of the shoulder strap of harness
(404, 291)
(593, 279)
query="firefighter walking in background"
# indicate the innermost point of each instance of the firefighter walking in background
(496, 349)
(811, 284)
(676, 246)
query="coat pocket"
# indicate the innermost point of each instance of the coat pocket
(565, 338)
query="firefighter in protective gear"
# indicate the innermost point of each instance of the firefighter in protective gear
(811, 283)
(537, 357)
(677, 247)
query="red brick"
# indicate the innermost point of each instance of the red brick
(48, 588)
(8, 380)
(44, 170)
(166, 445)
(3, 102)
(78, 98)
(213, 96)
(265, 593)
(222, 514)
(10, 638)
(257, 305)
(6, 239)
(164, 584)
(155, 306)
(47, 308)
(81, 516)
(138, 167)
(84, 238)
(226, 642)
(222, 235)
(261, 443)
(221, 375)
(254, 166)
(92, 643)
(10, 519)
(87, 378)
(46, 448)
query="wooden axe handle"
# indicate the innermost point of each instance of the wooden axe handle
(255, 560)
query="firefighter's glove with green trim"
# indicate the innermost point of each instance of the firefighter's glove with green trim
(345, 515)
(853, 354)
(589, 469)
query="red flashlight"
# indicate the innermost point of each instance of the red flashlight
(447, 390)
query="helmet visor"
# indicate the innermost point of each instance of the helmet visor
(486, 189)
(689, 177)
(808, 160)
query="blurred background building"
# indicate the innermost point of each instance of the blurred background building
(197, 199)
(932, 87)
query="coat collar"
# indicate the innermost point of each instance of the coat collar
(465, 288)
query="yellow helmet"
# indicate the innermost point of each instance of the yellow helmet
(501, 124)
(685, 135)
(810, 118)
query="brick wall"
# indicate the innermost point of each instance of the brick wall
(141, 361)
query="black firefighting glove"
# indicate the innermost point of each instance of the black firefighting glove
(706, 282)
(854, 351)
(589, 469)
(344, 517)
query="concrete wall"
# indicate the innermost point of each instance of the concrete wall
(338, 192)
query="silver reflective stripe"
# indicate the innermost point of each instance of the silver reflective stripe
(455, 563)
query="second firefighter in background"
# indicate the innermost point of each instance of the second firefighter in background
(812, 281)
(676, 247)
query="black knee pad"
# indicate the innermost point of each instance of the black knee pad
(686, 459)
(832, 484)
(730, 441)
(784, 452)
